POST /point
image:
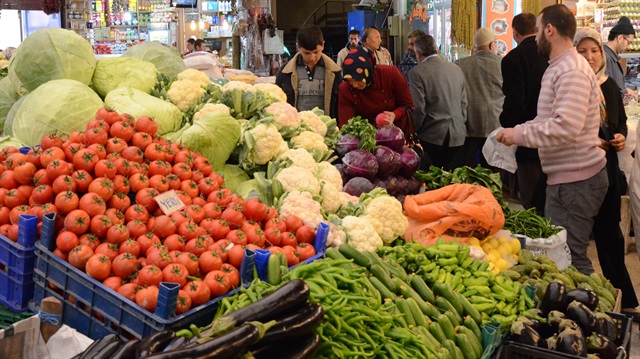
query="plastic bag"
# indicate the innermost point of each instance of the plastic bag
(499, 155)
(454, 212)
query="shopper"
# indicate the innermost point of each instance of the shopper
(566, 133)
(311, 79)
(371, 40)
(354, 41)
(620, 37)
(409, 61)
(437, 88)
(483, 84)
(369, 89)
(200, 45)
(522, 70)
(190, 46)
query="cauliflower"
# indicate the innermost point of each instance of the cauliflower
(261, 145)
(185, 94)
(385, 214)
(238, 85)
(336, 237)
(314, 122)
(274, 91)
(329, 173)
(284, 147)
(209, 108)
(347, 199)
(309, 141)
(330, 197)
(302, 205)
(302, 158)
(196, 76)
(285, 117)
(4, 64)
(362, 236)
(296, 178)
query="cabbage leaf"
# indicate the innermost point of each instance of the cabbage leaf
(7, 98)
(233, 176)
(8, 123)
(6, 141)
(137, 104)
(166, 59)
(114, 72)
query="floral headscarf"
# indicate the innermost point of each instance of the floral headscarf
(358, 65)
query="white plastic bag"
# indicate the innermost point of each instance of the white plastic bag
(499, 155)
(554, 247)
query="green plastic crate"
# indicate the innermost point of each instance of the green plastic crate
(8, 317)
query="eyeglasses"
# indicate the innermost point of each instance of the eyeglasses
(627, 40)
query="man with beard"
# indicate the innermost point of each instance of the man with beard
(409, 60)
(620, 38)
(566, 133)
(354, 41)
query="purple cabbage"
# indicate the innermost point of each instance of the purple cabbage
(357, 186)
(342, 170)
(360, 163)
(413, 187)
(403, 185)
(378, 183)
(346, 144)
(388, 161)
(391, 184)
(390, 136)
(410, 162)
(401, 198)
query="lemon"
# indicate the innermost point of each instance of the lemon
(495, 271)
(501, 264)
(505, 250)
(473, 241)
(515, 258)
(486, 247)
(494, 242)
(516, 246)
(503, 240)
(496, 253)
(490, 257)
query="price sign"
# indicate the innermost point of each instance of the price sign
(169, 202)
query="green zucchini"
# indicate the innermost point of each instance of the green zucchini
(384, 291)
(416, 313)
(436, 331)
(475, 343)
(469, 309)
(403, 307)
(475, 328)
(446, 326)
(451, 347)
(274, 277)
(443, 305)
(465, 345)
(422, 289)
(350, 252)
(381, 273)
(334, 253)
(444, 291)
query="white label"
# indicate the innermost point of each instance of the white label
(169, 202)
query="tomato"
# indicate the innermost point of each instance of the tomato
(40, 177)
(99, 150)
(184, 302)
(141, 140)
(147, 298)
(288, 239)
(122, 130)
(97, 135)
(183, 171)
(196, 213)
(174, 242)
(154, 152)
(255, 210)
(108, 249)
(189, 261)
(235, 255)
(121, 184)
(217, 283)
(66, 202)
(291, 254)
(184, 198)
(173, 181)
(98, 267)
(209, 261)
(116, 216)
(220, 197)
(100, 225)
(64, 183)
(136, 228)
(123, 167)
(164, 226)
(271, 213)
(305, 234)
(276, 250)
(255, 236)
(206, 186)
(293, 222)
(149, 275)
(16, 212)
(5, 152)
(233, 215)
(159, 183)
(175, 273)
(119, 201)
(146, 125)
(107, 115)
(4, 215)
(180, 217)
(232, 275)
(305, 251)
(41, 195)
(33, 156)
(85, 159)
(116, 234)
(159, 167)
(79, 256)
(203, 166)
(102, 187)
(136, 212)
(145, 198)
(196, 246)
(105, 168)
(188, 230)
(273, 236)
(133, 154)
(190, 188)
(14, 198)
(66, 241)
(219, 229)
(83, 180)
(50, 140)
(113, 283)
(130, 246)
(115, 145)
(8, 180)
(93, 204)
(248, 225)
(138, 182)
(198, 291)
(147, 241)
(90, 240)
(124, 265)
(23, 174)
(277, 223)
(77, 222)
(158, 257)
(128, 291)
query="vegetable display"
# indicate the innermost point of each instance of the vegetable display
(114, 72)
(438, 178)
(166, 59)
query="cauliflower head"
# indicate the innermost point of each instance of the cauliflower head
(314, 122)
(274, 91)
(386, 216)
(209, 108)
(185, 94)
(309, 141)
(302, 158)
(329, 173)
(285, 116)
(347, 199)
(361, 234)
(330, 197)
(337, 236)
(296, 178)
(196, 76)
(266, 143)
(238, 85)
(302, 205)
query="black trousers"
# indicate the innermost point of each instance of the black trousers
(441, 156)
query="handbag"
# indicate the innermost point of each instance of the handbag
(410, 138)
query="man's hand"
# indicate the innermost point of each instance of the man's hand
(506, 137)
(618, 142)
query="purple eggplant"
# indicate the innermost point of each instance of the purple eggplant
(605, 326)
(602, 346)
(555, 298)
(582, 315)
(522, 332)
(572, 342)
(585, 296)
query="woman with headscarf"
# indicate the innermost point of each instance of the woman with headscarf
(613, 130)
(369, 89)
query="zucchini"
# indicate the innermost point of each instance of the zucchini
(154, 343)
(463, 343)
(444, 291)
(384, 291)
(469, 309)
(403, 307)
(446, 326)
(431, 311)
(475, 328)
(422, 289)
(416, 313)
(475, 342)
(436, 331)
(396, 271)
(294, 325)
(358, 257)
(443, 305)
(381, 273)
(451, 347)
(334, 253)
(274, 276)
(453, 318)
(430, 339)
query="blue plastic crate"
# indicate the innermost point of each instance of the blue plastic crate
(95, 310)
(16, 290)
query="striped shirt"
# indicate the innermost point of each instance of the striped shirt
(566, 128)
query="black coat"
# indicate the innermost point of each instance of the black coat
(616, 123)
(522, 70)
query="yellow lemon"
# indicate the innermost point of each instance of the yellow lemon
(515, 258)
(505, 250)
(494, 242)
(495, 271)
(516, 246)
(495, 253)
(490, 257)
(502, 240)
(501, 264)
(473, 241)
(486, 247)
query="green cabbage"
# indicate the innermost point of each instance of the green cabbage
(137, 103)
(7, 98)
(166, 59)
(114, 72)
(8, 123)
(175, 136)
(59, 106)
(51, 54)
(7, 141)
(233, 176)
(215, 136)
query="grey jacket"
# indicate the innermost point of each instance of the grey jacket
(614, 69)
(483, 83)
(440, 101)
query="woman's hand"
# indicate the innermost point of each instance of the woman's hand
(604, 144)
(618, 142)
(392, 116)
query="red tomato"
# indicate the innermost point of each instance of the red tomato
(305, 234)
(77, 222)
(149, 275)
(159, 182)
(196, 213)
(198, 291)
(83, 180)
(188, 230)
(209, 261)
(128, 291)
(108, 249)
(255, 210)
(164, 226)
(291, 255)
(255, 236)
(98, 267)
(158, 257)
(133, 154)
(237, 236)
(174, 182)
(147, 298)
(207, 185)
(221, 197)
(117, 233)
(115, 215)
(136, 228)
(305, 251)
(174, 242)
(99, 225)
(24, 172)
(217, 283)
(277, 223)
(154, 152)
(288, 239)
(40, 177)
(231, 274)
(105, 168)
(93, 204)
(130, 246)
(136, 212)
(64, 183)
(145, 198)
(175, 273)
(146, 125)
(293, 222)
(50, 140)
(189, 261)
(79, 256)
(147, 241)
(113, 282)
(184, 302)
(85, 159)
(41, 195)
(138, 182)
(234, 216)
(196, 246)
(235, 256)
(122, 130)
(119, 201)
(124, 265)
(90, 240)
(115, 145)
(273, 236)
(141, 140)
(102, 187)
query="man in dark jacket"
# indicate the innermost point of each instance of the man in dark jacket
(522, 70)
(311, 79)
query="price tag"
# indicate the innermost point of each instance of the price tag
(169, 202)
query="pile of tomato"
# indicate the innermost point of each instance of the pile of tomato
(102, 184)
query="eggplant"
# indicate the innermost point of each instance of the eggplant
(552, 342)
(107, 351)
(175, 344)
(583, 316)
(606, 327)
(295, 325)
(555, 298)
(554, 317)
(300, 349)
(585, 296)
(602, 346)
(97, 346)
(523, 333)
(228, 345)
(572, 342)
(127, 351)
(154, 343)
(593, 356)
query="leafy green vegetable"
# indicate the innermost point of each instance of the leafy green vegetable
(529, 223)
(245, 104)
(138, 104)
(8, 123)
(7, 98)
(233, 176)
(438, 178)
(6, 141)
(215, 136)
(166, 59)
(361, 128)
(51, 54)
(58, 106)
(249, 189)
(114, 72)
